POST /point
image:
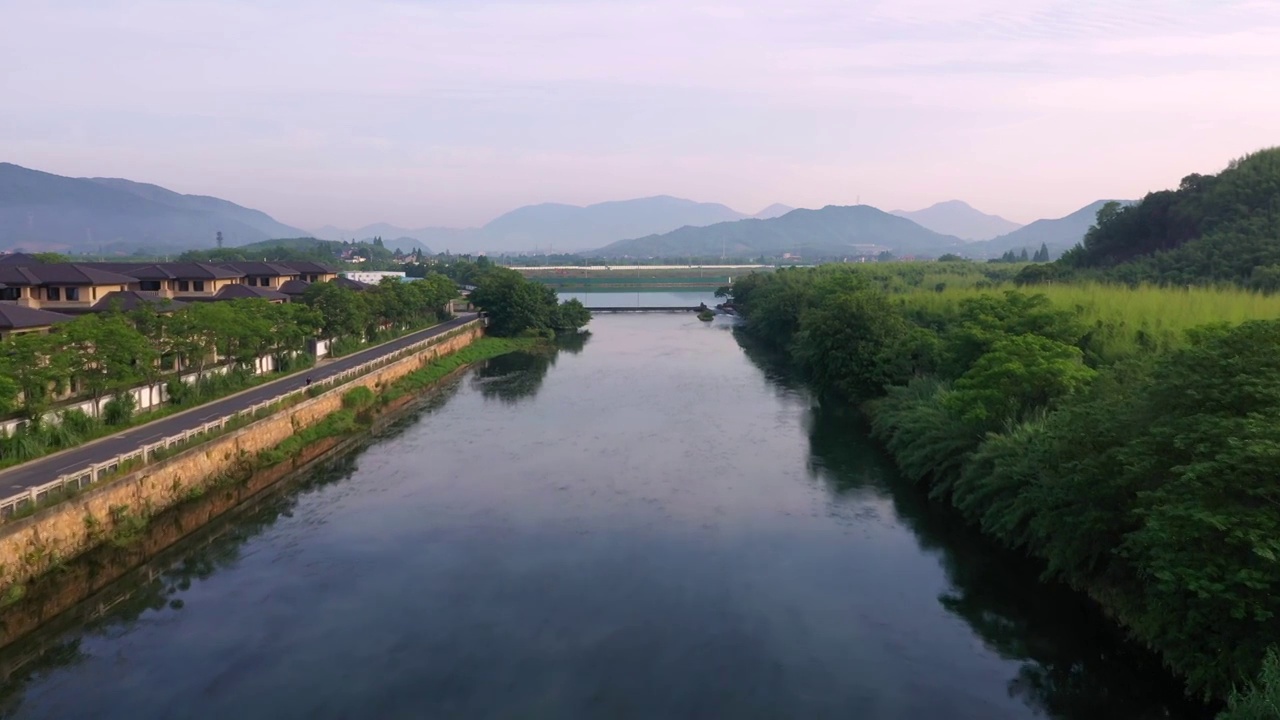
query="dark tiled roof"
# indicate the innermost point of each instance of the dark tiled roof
(16, 317)
(184, 271)
(232, 292)
(129, 300)
(120, 267)
(261, 268)
(60, 274)
(306, 266)
(294, 287)
(18, 258)
(350, 284)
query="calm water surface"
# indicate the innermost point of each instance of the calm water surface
(648, 298)
(655, 523)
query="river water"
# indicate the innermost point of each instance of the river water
(656, 522)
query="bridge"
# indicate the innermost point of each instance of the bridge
(652, 308)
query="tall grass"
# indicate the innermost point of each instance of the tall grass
(1122, 321)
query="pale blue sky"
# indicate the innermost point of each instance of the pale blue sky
(445, 112)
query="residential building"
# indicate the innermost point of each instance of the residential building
(237, 292)
(18, 320)
(264, 274)
(184, 280)
(310, 271)
(61, 287)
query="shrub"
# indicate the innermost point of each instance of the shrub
(358, 398)
(119, 409)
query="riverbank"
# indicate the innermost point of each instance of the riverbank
(1127, 453)
(256, 455)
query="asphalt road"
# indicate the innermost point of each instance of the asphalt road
(38, 472)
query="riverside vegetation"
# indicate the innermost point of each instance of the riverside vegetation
(1128, 437)
(103, 355)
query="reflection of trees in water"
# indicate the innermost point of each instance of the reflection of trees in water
(160, 582)
(1076, 664)
(779, 372)
(518, 376)
(156, 585)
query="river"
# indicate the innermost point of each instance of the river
(657, 522)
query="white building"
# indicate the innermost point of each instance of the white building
(373, 277)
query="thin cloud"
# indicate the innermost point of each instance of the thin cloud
(449, 112)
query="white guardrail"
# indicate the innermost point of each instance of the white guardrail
(86, 476)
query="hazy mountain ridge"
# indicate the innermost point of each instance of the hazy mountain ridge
(559, 227)
(833, 231)
(773, 211)
(43, 211)
(1058, 234)
(958, 218)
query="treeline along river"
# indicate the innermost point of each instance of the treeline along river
(654, 522)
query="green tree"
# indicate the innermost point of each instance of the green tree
(843, 343)
(37, 364)
(1209, 540)
(192, 335)
(514, 305)
(343, 312)
(9, 389)
(982, 321)
(105, 353)
(570, 316)
(50, 257)
(1019, 375)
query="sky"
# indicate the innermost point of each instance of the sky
(450, 112)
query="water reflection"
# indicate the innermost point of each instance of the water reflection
(1076, 665)
(159, 581)
(515, 377)
(156, 585)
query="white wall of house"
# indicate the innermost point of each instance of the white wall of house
(145, 397)
(372, 277)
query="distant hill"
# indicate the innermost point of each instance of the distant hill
(555, 227)
(571, 228)
(1059, 235)
(42, 211)
(832, 232)
(958, 218)
(406, 239)
(773, 211)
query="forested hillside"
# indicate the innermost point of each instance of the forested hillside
(1212, 228)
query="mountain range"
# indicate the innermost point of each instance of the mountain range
(557, 227)
(958, 218)
(41, 211)
(833, 231)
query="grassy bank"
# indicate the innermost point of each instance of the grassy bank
(359, 405)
